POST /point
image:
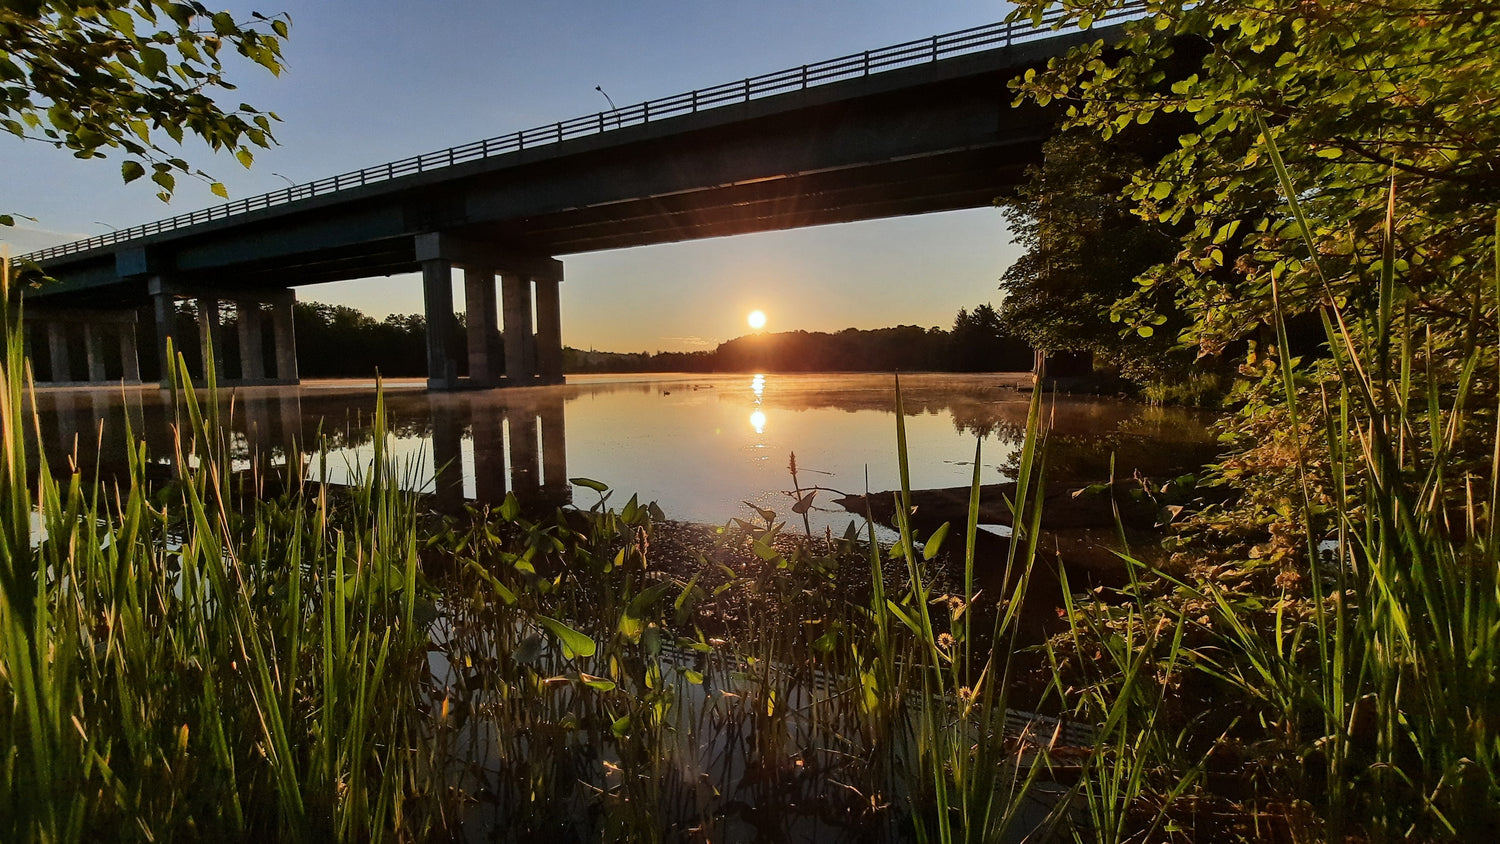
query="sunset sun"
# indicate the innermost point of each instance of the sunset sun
(757, 320)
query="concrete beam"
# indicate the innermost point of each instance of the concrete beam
(463, 252)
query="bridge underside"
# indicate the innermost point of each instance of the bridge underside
(934, 137)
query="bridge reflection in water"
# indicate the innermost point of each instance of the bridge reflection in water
(457, 448)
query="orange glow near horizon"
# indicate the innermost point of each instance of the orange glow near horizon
(757, 320)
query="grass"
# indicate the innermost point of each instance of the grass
(195, 658)
(1353, 696)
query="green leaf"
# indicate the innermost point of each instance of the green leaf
(510, 508)
(603, 684)
(131, 170)
(574, 644)
(245, 157)
(219, 190)
(905, 618)
(590, 483)
(935, 542)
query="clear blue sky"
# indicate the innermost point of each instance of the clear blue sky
(377, 80)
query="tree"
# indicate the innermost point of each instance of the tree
(980, 342)
(1084, 249)
(1354, 94)
(120, 74)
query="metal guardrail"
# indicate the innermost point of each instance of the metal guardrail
(925, 50)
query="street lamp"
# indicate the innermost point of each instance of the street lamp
(612, 107)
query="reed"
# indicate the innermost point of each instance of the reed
(184, 661)
(1354, 697)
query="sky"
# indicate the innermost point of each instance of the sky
(377, 80)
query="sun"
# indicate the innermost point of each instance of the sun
(757, 320)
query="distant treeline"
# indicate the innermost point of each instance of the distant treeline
(975, 344)
(335, 341)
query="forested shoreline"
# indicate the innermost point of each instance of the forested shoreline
(336, 341)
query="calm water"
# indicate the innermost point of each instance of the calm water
(698, 445)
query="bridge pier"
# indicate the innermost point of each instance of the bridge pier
(252, 351)
(520, 345)
(92, 328)
(479, 305)
(249, 330)
(532, 354)
(549, 331)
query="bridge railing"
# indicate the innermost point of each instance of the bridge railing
(972, 40)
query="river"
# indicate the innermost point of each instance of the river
(701, 446)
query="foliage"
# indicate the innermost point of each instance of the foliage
(977, 343)
(119, 74)
(980, 342)
(1353, 92)
(200, 657)
(1335, 647)
(1084, 248)
(244, 655)
(335, 341)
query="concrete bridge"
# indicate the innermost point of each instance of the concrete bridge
(923, 126)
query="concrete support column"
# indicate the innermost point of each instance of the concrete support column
(209, 335)
(93, 345)
(479, 301)
(57, 349)
(130, 357)
(437, 296)
(164, 308)
(548, 331)
(285, 335)
(252, 349)
(520, 350)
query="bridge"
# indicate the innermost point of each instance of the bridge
(923, 126)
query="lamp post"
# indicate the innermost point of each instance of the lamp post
(615, 110)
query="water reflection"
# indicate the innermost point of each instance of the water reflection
(699, 445)
(458, 450)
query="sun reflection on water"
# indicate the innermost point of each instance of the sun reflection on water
(758, 422)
